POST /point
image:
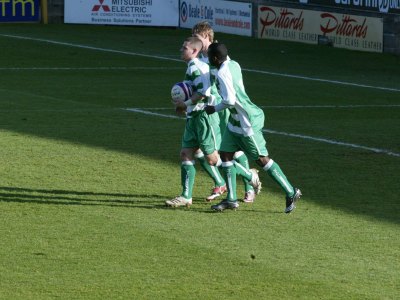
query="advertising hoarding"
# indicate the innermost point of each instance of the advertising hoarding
(19, 10)
(122, 12)
(378, 6)
(223, 16)
(307, 26)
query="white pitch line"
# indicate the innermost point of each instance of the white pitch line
(333, 142)
(179, 60)
(334, 106)
(90, 47)
(305, 137)
(41, 96)
(145, 112)
(324, 80)
(85, 68)
(71, 110)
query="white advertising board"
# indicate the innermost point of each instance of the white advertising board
(122, 12)
(307, 26)
(224, 16)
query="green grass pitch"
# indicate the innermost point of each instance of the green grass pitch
(83, 181)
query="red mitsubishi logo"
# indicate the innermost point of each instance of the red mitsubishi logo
(104, 7)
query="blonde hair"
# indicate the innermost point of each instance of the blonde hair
(204, 29)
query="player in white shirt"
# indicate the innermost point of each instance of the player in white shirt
(244, 131)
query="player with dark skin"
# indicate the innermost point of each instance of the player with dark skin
(228, 156)
(244, 130)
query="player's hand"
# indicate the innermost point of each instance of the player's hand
(180, 111)
(180, 105)
(209, 109)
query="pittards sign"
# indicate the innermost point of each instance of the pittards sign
(307, 26)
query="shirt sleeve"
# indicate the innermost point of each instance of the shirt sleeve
(221, 106)
(226, 88)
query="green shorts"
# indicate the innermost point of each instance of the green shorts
(254, 146)
(223, 120)
(202, 131)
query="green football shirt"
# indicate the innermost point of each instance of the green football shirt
(198, 77)
(245, 117)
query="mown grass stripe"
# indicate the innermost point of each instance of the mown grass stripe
(337, 82)
(305, 137)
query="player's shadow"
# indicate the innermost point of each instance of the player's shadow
(64, 197)
(85, 198)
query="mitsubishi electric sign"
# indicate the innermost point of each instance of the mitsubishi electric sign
(122, 12)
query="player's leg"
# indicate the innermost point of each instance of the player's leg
(209, 139)
(188, 171)
(239, 157)
(250, 195)
(188, 174)
(274, 171)
(229, 169)
(227, 150)
(251, 175)
(213, 171)
(219, 188)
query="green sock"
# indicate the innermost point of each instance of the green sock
(242, 171)
(241, 158)
(276, 173)
(230, 178)
(188, 173)
(212, 171)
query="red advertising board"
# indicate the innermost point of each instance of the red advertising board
(307, 26)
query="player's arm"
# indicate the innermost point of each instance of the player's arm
(202, 91)
(210, 109)
(194, 99)
(180, 112)
(226, 89)
(228, 95)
